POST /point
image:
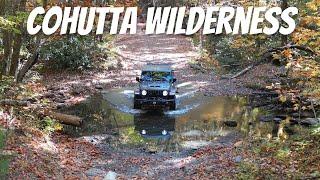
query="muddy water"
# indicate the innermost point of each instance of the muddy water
(198, 121)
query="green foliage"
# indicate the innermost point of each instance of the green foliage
(4, 160)
(6, 24)
(11, 22)
(70, 52)
(247, 171)
(5, 84)
(282, 154)
(4, 166)
(316, 130)
(49, 125)
(131, 137)
(2, 139)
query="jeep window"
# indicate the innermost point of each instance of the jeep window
(156, 76)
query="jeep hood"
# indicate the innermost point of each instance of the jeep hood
(157, 85)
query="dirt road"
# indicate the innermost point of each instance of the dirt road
(134, 51)
(128, 163)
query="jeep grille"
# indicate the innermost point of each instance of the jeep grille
(154, 93)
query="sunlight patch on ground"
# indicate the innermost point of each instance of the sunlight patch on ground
(184, 84)
(106, 81)
(187, 94)
(195, 144)
(180, 162)
(96, 139)
(48, 145)
(220, 132)
(192, 133)
(76, 100)
(173, 163)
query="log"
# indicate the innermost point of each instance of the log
(242, 72)
(265, 56)
(239, 73)
(64, 118)
(10, 102)
(197, 67)
(302, 48)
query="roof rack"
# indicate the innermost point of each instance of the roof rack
(157, 67)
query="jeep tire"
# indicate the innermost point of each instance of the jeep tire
(136, 104)
(172, 106)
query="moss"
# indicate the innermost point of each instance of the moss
(247, 171)
(4, 160)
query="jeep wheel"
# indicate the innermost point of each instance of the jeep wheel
(173, 106)
(136, 105)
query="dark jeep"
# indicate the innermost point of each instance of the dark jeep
(156, 88)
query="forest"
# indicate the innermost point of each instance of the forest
(249, 106)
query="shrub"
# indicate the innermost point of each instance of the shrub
(70, 52)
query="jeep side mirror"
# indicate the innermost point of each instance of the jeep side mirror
(174, 80)
(138, 79)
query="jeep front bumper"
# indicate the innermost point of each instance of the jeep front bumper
(154, 102)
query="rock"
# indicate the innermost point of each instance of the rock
(29, 99)
(288, 130)
(58, 100)
(237, 159)
(265, 118)
(55, 88)
(294, 121)
(209, 168)
(304, 114)
(95, 172)
(231, 123)
(238, 144)
(76, 91)
(61, 105)
(281, 116)
(48, 95)
(277, 120)
(152, 150)
(310, 121)
(60, 93)
(110, 176)
(98, 86)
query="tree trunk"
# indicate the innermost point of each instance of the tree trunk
(2, 12)
(284, 38)
(64, 118)
(7, 42)
(10, 102)
(17, 43)
(27, 66)
(15, 54)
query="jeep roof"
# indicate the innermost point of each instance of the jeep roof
(157, 67)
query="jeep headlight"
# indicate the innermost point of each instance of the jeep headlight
(144, 92)
(164, 132)
(137, 92)
(165, 93)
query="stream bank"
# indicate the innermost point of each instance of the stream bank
(222, 128)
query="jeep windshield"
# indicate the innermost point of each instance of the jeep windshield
(156, 76)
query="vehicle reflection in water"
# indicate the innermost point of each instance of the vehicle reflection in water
(154, 125)
(186, 128)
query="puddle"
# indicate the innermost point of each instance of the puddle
(198, 121)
